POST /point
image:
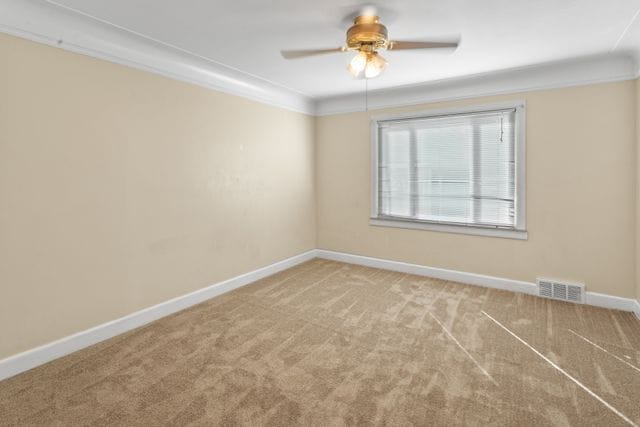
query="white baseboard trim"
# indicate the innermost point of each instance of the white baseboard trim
(610, 301)
(592, 298)
(29, 359)
(24, 361)
(436, 273)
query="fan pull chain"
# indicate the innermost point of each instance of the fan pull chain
(366, 94)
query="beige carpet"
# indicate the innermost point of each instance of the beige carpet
(327, 343)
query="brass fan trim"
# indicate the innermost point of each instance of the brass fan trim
(367, 34)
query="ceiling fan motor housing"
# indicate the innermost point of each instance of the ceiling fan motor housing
(367, 33)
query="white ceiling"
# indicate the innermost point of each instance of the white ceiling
(496, 35)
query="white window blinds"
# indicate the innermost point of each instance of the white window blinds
(453, 169)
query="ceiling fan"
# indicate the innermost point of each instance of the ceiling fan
(367, 36)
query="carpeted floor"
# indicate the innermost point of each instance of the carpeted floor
(326, 343)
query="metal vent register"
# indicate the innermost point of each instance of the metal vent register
(572, 292)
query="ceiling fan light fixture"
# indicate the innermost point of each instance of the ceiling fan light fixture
(358, 64)
(375, 65)
(367, 36)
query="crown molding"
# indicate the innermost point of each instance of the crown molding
(44, 22)
(568, 73)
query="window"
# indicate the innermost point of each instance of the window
(458, 171)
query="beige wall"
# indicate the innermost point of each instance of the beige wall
(120, 189)
(581, 178)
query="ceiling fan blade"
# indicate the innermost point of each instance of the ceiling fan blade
(405, 44)
(296, 54)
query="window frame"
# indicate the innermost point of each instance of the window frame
(519, 231)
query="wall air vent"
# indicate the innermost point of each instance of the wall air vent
(572, 292)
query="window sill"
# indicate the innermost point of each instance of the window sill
(449, 228)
